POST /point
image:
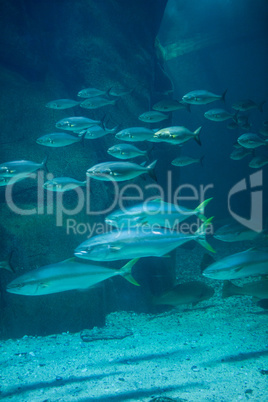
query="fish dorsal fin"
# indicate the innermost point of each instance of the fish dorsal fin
(238, 268)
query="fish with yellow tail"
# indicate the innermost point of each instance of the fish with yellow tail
(66, 275)
(141, 241)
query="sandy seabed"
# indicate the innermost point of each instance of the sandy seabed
(215, 351)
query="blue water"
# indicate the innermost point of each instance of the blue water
(53, 51)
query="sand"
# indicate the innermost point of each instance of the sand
(215, 351)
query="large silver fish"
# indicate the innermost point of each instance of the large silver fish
(119, 171)
(13, 168)
(56, 140)
(66, 275)
(234, 232)
(240, 153)
(125, 151)
(76, 123)
(170, 105)
(62, 104)
(219, 115)
(186, 160)
(135, 134)
(247, 104)
(90, 93)
(138, 242)
(251, 141)
(202, 97)
(185, 293)
(97, 102)
(97, 132)
(252, 262)
(177, 135)
(62, 184)
(153, 117)
(258, 162)
(256, 289)
(155, 212)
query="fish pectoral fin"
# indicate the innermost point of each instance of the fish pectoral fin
(115, 247)
(237, 269)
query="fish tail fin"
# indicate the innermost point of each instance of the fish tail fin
(82, 137)
(151, 171)
(112, 130)
(125, 271)
(197, 135)
(260, 106)
(7, 264)
(223, 95)
(235, 116)
(201, 160)
(44, 163)
(229, 289)
(108, 93)
(200, 235)
(199, 211)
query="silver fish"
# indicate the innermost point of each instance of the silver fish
(258, 162)
(56, 140)
(98, 132)
(135, 134)
(62, 104)
(240, 153)
(251, 141)
(6, 264)
(125, 151)
(186, 160)
(256, 289)
(13, 168)
(234, 232)
(66, 275)
(76, 123)
(252, 262)
(61, 184)
(155, 212)
(185, 293)
(177, 135)
(170, 105)
(247, 104)
(137, 242)
(119, 90)
(90, 93)
(96, 102)
(118, 171)
(202, 97)
(153, 117)
(219, 115)
(232, 125)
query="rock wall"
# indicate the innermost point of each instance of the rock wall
(51, 50)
